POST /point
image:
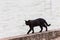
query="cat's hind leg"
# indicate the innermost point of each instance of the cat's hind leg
(41, 28)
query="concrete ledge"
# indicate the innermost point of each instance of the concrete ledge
(48, 35)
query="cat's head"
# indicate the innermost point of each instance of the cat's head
(27, 22)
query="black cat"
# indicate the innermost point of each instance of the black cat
(37, 22)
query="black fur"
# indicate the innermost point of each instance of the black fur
(37, 22)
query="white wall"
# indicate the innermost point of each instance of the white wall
(56, 13)
(14, 12)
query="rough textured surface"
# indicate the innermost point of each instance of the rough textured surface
(49, 35)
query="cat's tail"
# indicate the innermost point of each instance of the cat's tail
(47, 23)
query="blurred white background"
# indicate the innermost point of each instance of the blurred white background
(14, 12)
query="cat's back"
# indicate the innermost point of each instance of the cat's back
(38, 20)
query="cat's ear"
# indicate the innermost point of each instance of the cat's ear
(24, 20)
(29, 20)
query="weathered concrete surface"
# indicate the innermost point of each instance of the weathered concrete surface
(49, 35)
